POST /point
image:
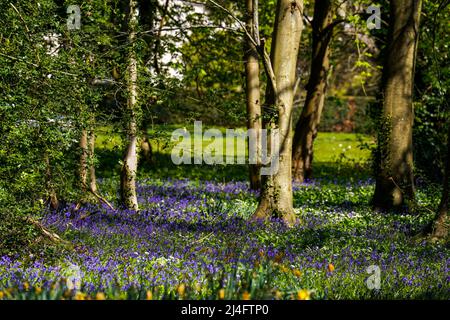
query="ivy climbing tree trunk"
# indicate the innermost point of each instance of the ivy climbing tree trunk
(306, 127)
(254, 121)
(276, 193)
(394, 183)
(129, 168)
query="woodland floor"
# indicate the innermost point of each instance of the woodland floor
(192, 239)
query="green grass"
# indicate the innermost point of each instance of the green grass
(328, 145)
(335, 154)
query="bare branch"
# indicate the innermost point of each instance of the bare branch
(260, 47)
(182, 28)
(36, 65)
(256, 22)
(21, 18)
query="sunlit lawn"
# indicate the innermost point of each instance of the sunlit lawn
(329, 146)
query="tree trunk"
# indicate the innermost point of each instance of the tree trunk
(276, 193)
(83, 159)
(128, 175)
(394, 183)
(306, 127)
(441, 223)
(52, 196)
(254, 121)
(93, 179)
(146, 147)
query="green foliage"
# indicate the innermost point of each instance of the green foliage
(432, 83)
(21, 239)
(48, 99)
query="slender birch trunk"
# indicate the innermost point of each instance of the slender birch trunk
(92, 177)
(83, 159)
(254, 121)
(128, 176)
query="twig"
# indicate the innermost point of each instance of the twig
(203, 238)
(49, 234)
(256, 22)
(21, 18)
(307, 19)
(36, 65)
(100, 198)
(190, 27)
(260, 47)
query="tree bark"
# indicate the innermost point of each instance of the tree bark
(128, 175)
(306, 127)
(441, 222)
(276, 194)
(394, 183)
(254, 121)
(87, 145)
(83, 159)
(92, 177)
(146, 147)
(52, 196)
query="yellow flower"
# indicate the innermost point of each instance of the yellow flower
(149, 295)
(297, 272)
(80, 296)
(100, 296)
(26, 286)
(181, 289)
(222, 294)
(38, 290)
(278, 295)
(1, 295)
(246, 295)
(303, 295)
(330, 267)
(284, 269)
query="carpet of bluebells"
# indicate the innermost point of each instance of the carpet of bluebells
(194, 240)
